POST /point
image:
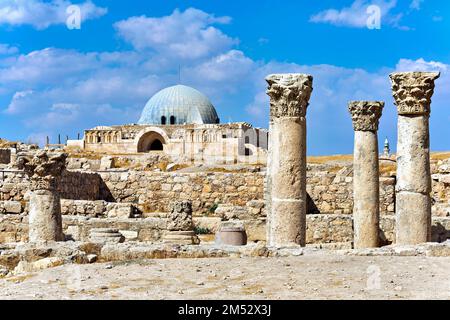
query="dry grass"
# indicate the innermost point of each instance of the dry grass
(179, 167)
(86, 155)
(6, 144)
(122, 163)
(387, 168)
(335, 169)
(440, 155)
(326, 159)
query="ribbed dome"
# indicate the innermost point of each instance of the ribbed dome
(179, 105)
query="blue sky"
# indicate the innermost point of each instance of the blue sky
(56, 80)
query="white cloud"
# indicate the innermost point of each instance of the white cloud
(416, 4)
(20, 101)
(181, 35)
(42, 14)
(356, 15)
(6, 49)
(421, 65)
(66, 91)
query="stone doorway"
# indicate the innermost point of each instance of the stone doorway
(151, 141)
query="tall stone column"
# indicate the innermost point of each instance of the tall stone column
(44, 170)
(366, 181)
(412, 92)
(289, 99)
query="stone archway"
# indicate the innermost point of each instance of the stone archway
(151, 141)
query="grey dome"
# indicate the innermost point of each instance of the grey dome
(179, 105)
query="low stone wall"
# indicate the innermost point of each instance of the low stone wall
(233, 195)
(74, 185)
(441, 191)
(78, 185)
(321, 229)
(5, 156)
(153, 191)
(332, 192)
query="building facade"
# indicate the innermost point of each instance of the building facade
(182, 123)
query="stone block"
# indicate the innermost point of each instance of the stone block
(12, 207)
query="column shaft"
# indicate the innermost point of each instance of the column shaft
(286, 181)
(45, 170)
(413, 202)
(288, 185)
(366, 180)
(366, 190)
(45, 222)
(412, 92)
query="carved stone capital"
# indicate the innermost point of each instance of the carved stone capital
(180, 217)
(365, 114)
(44, 169)
(412, 91)
(289, 94)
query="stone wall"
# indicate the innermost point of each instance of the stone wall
(153, 191)
(441, 188)
(75, 185)
(332, 192)
(5, 156)
(321, 229)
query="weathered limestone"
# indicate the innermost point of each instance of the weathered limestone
(105, 235)
(289, 99)
(181, 226)
(412, 92)
(366, 185)
(44, 171)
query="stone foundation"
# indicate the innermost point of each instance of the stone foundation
(321, 229)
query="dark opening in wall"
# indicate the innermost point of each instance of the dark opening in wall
(163, 120)
(172, 120)
(156, 146)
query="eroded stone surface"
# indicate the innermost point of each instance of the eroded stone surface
(289, 99)
(44, 170)
(412, 92)
(366, 114)
(366, 186)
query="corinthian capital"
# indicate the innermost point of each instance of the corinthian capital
(289, 94)
(44, 169)
(365, 114)
(412, 91)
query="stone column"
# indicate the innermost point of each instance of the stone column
(412, 92)
(366, 183)
(180, 225)
(289, 99)
(44, 170)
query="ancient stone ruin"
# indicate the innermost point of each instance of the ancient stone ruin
(44, 171)
(181, 227)
(412, 93)
(83, 205)
(366, 186)
(289, 99)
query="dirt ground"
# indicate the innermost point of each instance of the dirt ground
(303, 277)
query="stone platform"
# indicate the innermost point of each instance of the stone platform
(17, 257)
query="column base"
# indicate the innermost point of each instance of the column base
(413, 218)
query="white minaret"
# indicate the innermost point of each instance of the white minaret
(387, 149)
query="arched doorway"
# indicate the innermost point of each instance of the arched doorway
(151, 141)
(156, 146)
